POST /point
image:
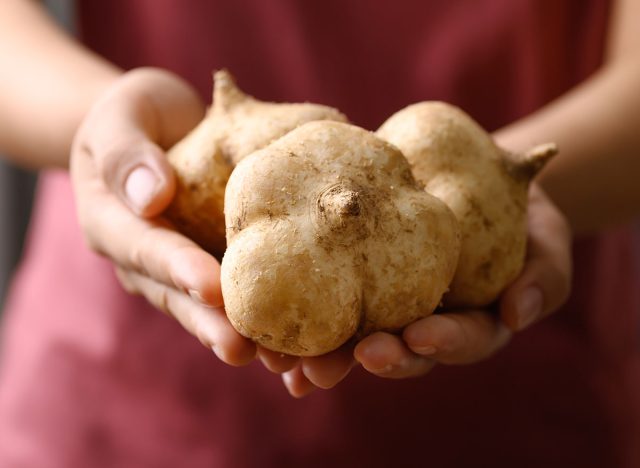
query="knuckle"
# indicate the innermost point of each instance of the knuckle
(562, 229)
(555, 281)
(117, 160)
(92, 240)
(453, 335)
(164, 300)
(136, 256)
(139, 252)
(203, 327)
(160, 299)
(561, 281)
(126, 281)
(95, 245)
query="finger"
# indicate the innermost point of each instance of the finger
(296, 383)
(386, 355)
(277, 362)
(327, 370)
(457, 337)
(209, 324)
(145, 246)
(545, 282)
(121, 131)
(137, 171)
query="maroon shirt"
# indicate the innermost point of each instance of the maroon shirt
(92, 377)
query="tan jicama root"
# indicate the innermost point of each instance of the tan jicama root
(329, 237)
(485, 186)
(235, 126)
(329, 234)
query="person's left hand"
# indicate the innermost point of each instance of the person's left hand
(465, 336)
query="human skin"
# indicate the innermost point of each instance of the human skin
(118, 164)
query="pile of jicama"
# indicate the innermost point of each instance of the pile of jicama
(328, 232)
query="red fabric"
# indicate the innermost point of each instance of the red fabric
(93, 377)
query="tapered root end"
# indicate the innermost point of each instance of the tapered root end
(225, 91)
(526, 166)
(535, 159)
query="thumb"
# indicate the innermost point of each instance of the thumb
(137, 171)
(545, 282)
(125, 128)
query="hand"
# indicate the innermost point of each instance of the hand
(462, 337)
(122, 182)
(324, 371)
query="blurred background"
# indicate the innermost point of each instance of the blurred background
(17, 185)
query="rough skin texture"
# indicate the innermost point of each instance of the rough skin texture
(486, 188)
(235, 126)
(329, 237)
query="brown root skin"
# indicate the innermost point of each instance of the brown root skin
(331, 237)
(458, 162)
(235, 126)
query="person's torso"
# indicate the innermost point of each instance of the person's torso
(98, 378)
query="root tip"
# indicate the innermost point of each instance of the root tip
(225, 91)
(526, 166)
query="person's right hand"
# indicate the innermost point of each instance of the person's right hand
(122, 182)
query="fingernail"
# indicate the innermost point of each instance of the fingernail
(217, 352)
(424, 350)
(529, 306)
(140, 187)
(196, 296)
(383, 370)
(405, 363)
(287, 379)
